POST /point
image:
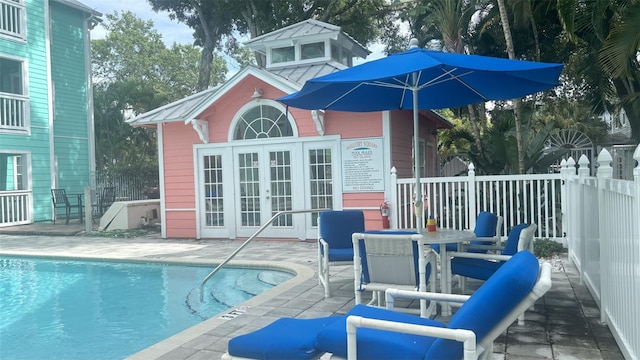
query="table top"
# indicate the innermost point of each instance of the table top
(441, 236)
(445, 236)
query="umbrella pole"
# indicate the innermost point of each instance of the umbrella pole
(419, 207)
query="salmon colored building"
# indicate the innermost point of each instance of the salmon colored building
(232, 156)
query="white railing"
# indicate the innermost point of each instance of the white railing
(456, 201)
(604, 242)
(14, 208)
(12, 18)
(13, 112)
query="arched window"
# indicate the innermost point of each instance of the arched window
(262, 122)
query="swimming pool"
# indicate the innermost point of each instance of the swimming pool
(64, 309)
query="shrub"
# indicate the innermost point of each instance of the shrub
(546, 248)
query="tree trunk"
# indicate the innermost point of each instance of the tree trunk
(206, 58)
(206, 55)
(516, 103)
(476, 128)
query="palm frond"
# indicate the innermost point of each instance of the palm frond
(622, 45)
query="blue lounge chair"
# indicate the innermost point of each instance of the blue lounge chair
(482, 266)
(373, 333)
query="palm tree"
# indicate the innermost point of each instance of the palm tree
(504, 20)
(607, 35)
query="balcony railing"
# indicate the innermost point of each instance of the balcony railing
(15, 207)
(12, 18)
(13, 112)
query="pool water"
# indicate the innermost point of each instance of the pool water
(59, 309)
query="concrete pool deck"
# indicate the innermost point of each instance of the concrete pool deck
(564, 324)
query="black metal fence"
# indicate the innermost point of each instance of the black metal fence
(129, 184)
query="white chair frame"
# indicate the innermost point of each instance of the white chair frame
(473, 348)
(390, 262)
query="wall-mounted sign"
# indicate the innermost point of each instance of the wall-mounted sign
(362, 165)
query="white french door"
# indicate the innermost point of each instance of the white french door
(265, 183)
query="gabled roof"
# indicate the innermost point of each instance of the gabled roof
(306, 29)
(175, 111)
(189, 108)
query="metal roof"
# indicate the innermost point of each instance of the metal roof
(300, 74)
(306, 29)
(298, 30)
(176, 111)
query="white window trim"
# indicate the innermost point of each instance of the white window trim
(26, 130)
(258, 102)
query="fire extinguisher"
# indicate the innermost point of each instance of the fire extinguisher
(384, 212)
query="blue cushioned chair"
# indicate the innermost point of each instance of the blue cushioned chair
(392, 259)
(375, 333)
(488, 225)
(482, 266)
(335, 246)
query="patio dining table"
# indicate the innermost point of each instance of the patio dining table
(444, 237)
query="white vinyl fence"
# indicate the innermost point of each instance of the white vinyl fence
(455, 201)
(603, 236)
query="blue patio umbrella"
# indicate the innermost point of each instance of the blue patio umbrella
(419, 79)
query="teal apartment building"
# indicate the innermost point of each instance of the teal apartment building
(46, 105)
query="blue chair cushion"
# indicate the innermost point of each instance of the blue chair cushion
(377, 344)
(285, 338)
(474, 268)
(340, 254)
(486, 223)
(490, 304)
(511, 247)
(337, 226)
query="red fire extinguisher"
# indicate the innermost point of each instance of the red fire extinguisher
(384, 212)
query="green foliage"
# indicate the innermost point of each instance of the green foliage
(499, 153)
(135, 72)
(216, 23)
(547, 248)
(605, 64)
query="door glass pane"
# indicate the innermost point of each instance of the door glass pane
(214, 204)
(249, 189)
(281, 197)
(321, 181)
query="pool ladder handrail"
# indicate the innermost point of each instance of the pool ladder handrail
(246, 242)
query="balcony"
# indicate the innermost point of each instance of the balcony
(12, 19)
(13, 113)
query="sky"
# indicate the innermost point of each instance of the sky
(172, 31)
